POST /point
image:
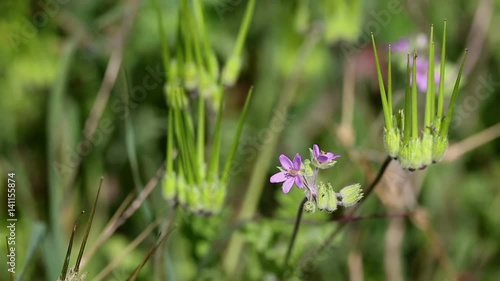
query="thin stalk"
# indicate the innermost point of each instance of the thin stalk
(170, 142)
(163, 39)
(446, 124)
(200, 139)
(407, 112)
(236, 139)
(295, 231)
(368, 191)
(414, 109)
(213, 168)
(87, 229)
(430, 86)
(389, 82)
(240, 41)
(385, 107)
(208, 51)
(440, 103)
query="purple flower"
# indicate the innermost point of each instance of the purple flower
(422, 68)
(289, 173)
(322, 156)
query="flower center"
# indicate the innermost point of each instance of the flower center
(293, 172)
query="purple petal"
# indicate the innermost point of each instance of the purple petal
(298, 181)
(322, 159)
(287, 185)
(402, 45)
(297, 161)
(279, 177)
(316, 150)
(286, 163)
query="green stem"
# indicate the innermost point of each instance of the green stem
(294, 234)
(170, 142)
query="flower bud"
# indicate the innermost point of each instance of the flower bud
(231, 70)
(310, 207)
(439, 148)
(306, 168)
(322, 197)
(169, 187)
(332, 200)
(427, 143)
(190, 76)
(351, 194)
(392, 140)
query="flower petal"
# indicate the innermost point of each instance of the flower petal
(298, 181)
(297, 162)
(287, 185)
(322, 158)
(316, 150)
(278, 177)
(286, 163)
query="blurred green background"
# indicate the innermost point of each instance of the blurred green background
(62, 59)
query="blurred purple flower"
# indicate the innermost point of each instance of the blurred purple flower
(322, 156)
(422, 68)
(289, 173)
(405, 46)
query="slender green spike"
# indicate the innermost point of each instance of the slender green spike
(387, 111)
(185, 159)
(87, 229)
(242, 34)
(429, 97)
(200, 149)
(407, 111)
(389, 82)
(414, 103)
(213, 169)
(209, 54)
(163, 39)
(64, 271)
(440, 102)
(446, 124)
(433, 83)
(170, 142)
(236, 138)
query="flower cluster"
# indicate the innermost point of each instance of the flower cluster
(402, 139)
(304, 174)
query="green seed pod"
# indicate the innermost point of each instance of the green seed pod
(169, 191)
(427, 143)
(207, 85)
(322, 198)
(410, 155)
(194, 202)
(392, 140)
(351, 194)
(181, 190)
(439, 148)
(332, 199)
(190, 76)
(310, 207)
(231, 70)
